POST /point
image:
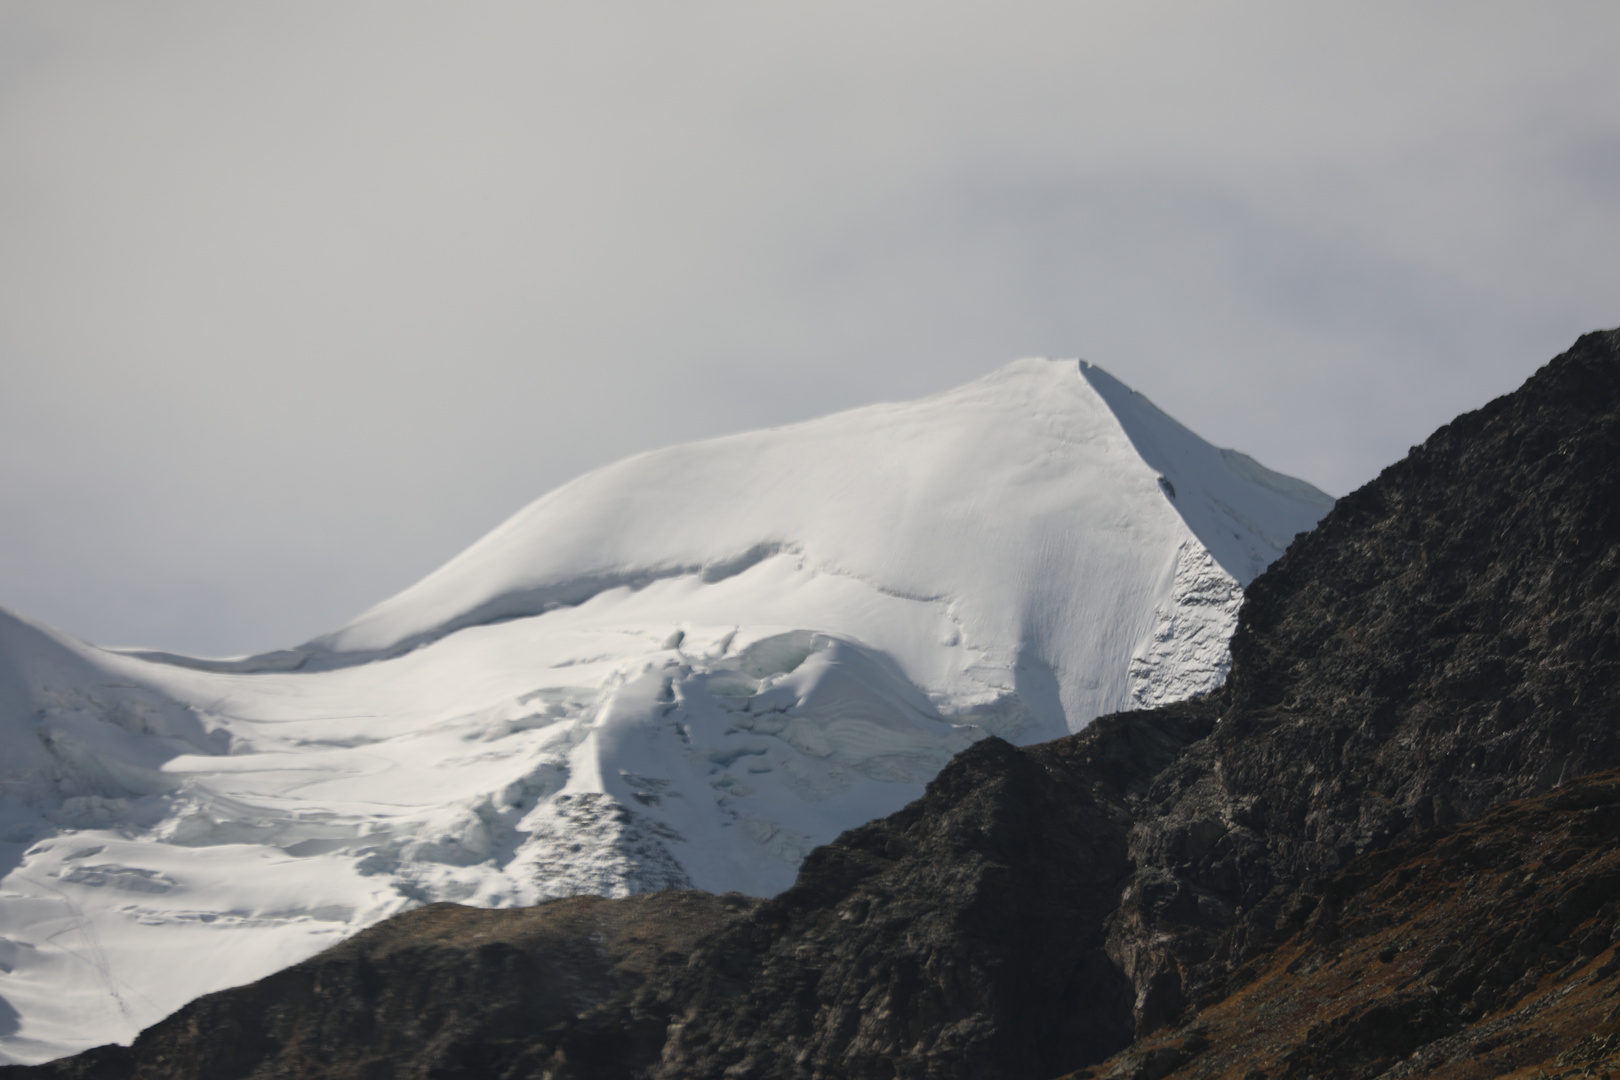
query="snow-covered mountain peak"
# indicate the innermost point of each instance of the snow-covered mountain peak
(685, 669)
(1010, 497)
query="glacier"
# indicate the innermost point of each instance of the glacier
(686, 669)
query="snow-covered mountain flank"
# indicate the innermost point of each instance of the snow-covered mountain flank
(686, 669)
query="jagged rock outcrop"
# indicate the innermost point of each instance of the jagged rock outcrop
(1445, 643)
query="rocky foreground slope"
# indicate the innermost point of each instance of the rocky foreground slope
(1383, 848)
(1477, 950)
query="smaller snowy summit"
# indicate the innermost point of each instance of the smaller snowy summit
(683, 670)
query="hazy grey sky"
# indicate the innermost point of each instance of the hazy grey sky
(297, 299)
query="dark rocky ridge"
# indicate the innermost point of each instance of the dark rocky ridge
(1443, 643)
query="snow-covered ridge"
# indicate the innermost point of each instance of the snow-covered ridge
(688, 668)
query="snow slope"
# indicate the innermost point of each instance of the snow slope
(686, 669)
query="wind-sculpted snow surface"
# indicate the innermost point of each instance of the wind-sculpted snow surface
(687, 669)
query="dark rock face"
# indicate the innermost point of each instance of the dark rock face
(961, 937)
(1444, 643)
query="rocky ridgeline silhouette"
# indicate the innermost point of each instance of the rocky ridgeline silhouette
(1352, 860)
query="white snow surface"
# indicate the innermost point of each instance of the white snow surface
(685, 669)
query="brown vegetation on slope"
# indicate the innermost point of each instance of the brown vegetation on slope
(1482, 950)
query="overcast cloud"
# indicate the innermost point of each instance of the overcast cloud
(297, 299)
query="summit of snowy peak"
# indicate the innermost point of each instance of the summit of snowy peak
(863, 492)
(1012, 495)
